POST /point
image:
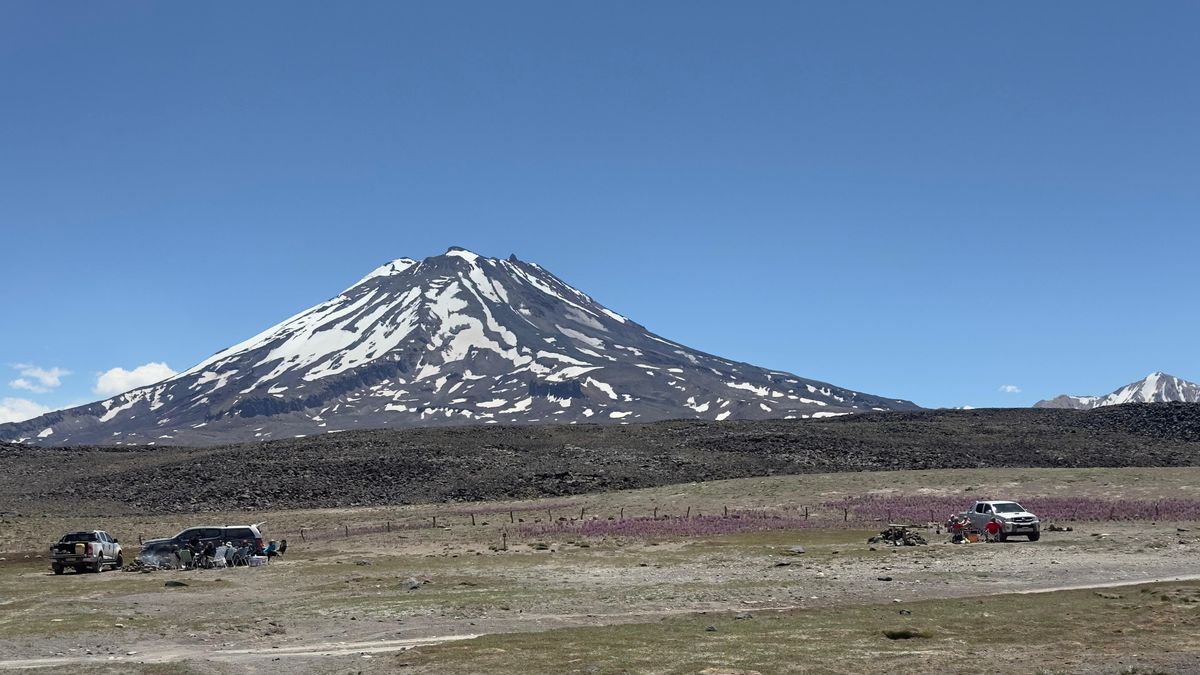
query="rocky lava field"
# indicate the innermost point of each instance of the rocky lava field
(506, 462)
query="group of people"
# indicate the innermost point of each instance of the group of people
(199, 555)
(960, 528)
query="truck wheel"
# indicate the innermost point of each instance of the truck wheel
(58, 569)
(1001, 536)
(1034, 536)
(120, 562)
(98, 566)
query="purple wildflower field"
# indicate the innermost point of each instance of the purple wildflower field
(923, 508)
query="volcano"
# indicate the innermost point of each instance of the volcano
(453, 339)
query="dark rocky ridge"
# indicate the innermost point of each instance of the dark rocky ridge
(493, 462)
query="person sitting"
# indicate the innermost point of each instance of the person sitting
(991, 531)
(218, 557)
(207, 554)
(271, 549)
(242, 555)
(957, 527)
(230, 554)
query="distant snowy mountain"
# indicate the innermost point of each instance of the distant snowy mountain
(1155, 388)
(452, 339)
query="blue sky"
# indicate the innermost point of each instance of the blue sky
(928, 202)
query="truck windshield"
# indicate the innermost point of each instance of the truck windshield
(80, 536)
(1008, 507)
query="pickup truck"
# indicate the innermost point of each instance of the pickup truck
(86, 551)
(1014, 519)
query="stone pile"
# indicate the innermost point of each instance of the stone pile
(898, 536)
(140, 565)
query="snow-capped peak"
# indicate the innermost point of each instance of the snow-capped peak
(1157, 387)
(459, 252)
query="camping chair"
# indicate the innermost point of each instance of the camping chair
(185, 558)
(218, 559)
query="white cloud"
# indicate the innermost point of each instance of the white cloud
(20, 409)
(38, 380)
(118, 380)
(1010, 389)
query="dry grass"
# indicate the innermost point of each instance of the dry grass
(1065, 631)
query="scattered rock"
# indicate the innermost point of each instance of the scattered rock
(362, 562)
(883, 578)
(174, 584)
(710, 629)
(410, 584)
(796, 550)
(743, 615)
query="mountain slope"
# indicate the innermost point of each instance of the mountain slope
(1154, 388)
(452, 339)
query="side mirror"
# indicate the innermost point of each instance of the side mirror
(116, 541)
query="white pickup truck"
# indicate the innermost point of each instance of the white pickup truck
(1014, 519)
(88, 551)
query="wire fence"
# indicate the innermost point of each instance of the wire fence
(565, 517)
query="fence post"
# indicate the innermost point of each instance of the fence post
(472, 519)
(549, 515)
(845, 514)
(1156, 510)
(581, 509)
(504, 541)
(726, 510)
(656, 512)
(435, 521)
(389, 526)
(140, 536)
(622, 513)
(302, 535)
(511, 517)
(689, 513)
(806, 513)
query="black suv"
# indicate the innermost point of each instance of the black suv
(235, 534)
